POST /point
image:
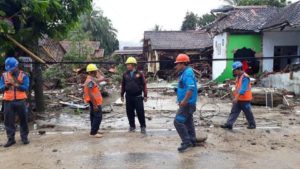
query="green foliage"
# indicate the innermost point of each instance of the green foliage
(33, 19)
(190, 21)
(56, 72)
(121, 68)
(193, 21)
(100, 29)
(206, 19)
(276, 3)
(157, 28)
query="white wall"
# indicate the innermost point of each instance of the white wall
(272, 39)
(283, 81)
(220, 46)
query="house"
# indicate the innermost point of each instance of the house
(135, 51)
(162, 47)
(89, 48)
(237, 36)
(281, 37)
(50, 50)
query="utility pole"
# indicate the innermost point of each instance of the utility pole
(38, 88)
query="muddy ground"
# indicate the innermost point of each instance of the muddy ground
(274, 144)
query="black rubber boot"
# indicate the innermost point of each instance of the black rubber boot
(225, 126)
(183, 147)
(9, 143)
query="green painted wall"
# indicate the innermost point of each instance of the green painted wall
(237, 42)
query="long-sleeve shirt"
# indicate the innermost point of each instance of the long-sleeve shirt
(134, 84)
(23, 87)
(244, 87)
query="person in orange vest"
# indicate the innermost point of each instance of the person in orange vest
(92, 96)
(14, 83)
(242, 98)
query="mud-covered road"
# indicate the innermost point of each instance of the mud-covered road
(66, 145)
(260, 149)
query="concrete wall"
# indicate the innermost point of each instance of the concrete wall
(272, 39)
(220, 46)
(283, 81)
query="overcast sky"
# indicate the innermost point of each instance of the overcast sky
(132, 17)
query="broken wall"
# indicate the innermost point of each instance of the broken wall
(225, 46)
(288, 81)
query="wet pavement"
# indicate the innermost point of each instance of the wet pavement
(225, 150)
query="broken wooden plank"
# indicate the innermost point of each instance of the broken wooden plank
(48, 53)
(75, 106)
(35, 57)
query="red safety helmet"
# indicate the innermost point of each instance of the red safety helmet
(182, 58)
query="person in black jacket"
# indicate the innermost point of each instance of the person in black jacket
(134, 85)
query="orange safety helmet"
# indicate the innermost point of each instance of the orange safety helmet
(182, 58)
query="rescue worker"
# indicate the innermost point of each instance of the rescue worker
(186, 97)
(14, 83)
(134, 85)
(92, 96)
(242, 98)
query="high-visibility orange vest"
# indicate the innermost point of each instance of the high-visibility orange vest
(13, 93)
(95, 91)
(248, 94)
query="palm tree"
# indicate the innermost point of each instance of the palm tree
(101, 29)
(157, 28)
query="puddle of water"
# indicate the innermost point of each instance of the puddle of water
(172, 160)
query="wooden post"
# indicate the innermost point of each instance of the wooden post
(37, 76)
(32, 55)
(38, 88)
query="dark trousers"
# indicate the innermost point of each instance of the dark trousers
(236, 110)
(184, 124)
(11, 109)
(96, 118)
(135, 103)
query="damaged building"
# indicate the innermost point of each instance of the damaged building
(164, 46)
(237, 35)
(281, 39)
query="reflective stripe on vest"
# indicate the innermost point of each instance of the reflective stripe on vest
(248, 94)
(95, 91)
(13, 93)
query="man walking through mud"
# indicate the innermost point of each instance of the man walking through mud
(186, 98)
(242, 98)
(14, 83)
(134, 85)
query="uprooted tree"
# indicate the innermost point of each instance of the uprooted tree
(27, 21)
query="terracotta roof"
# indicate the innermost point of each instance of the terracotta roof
(248, 19)
(94, 45)
(290, 15)
(177, 40)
